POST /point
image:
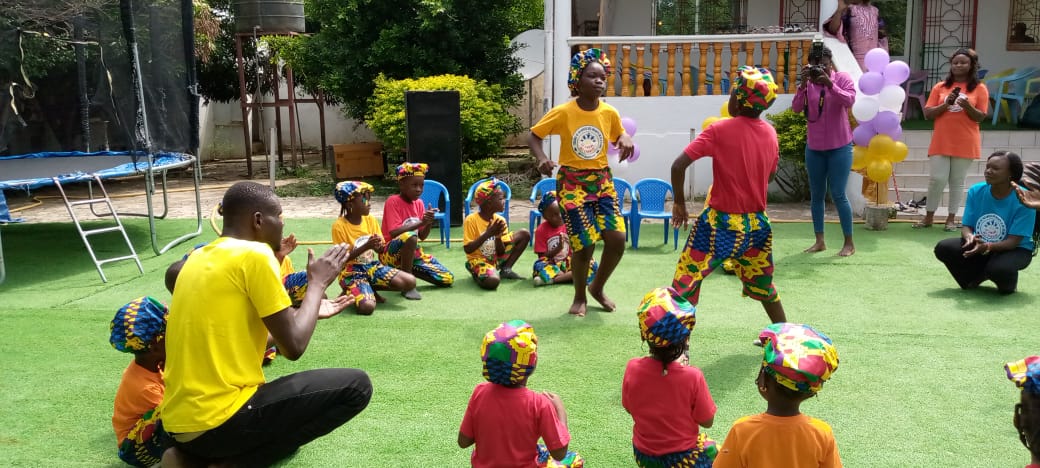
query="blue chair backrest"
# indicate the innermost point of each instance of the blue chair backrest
(652, 194)
(432, 193)
(623, 188)
(1018, 87)
(547, 184)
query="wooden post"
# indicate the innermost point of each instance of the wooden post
(626, 78)
(639, 69)
(716, 87)
(655, 84)
(781, 62)
(669, 81)
(612, 54)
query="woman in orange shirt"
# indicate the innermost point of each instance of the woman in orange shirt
(957, 104)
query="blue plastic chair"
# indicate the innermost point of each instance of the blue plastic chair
(650, 198)
(431, 197)
(1016, 94)
(998, 94)
(469, 198)
(547, 184)
(623, 189)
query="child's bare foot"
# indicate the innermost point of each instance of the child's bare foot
(577, 308)
(847, 250)
(602, 299)
(817, 247)
(412, 295)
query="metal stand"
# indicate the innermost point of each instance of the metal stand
(290, 102)
(84, 234)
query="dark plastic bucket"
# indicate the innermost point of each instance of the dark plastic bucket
(272, 16)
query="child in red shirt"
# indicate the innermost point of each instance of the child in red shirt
(504, 418)
(668, 401)
(406, 221)
(553, 247)
(139, 328)
(1026, 374)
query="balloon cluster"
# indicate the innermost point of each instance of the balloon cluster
(878, 101)
(630, 128)
(723, 115)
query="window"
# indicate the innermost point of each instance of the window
(1024, 25)
(683, 17)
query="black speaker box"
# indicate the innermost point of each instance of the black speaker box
(435, 137)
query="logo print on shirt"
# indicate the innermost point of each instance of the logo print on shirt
(587, 142)
(991, 228)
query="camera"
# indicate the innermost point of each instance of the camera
(816, 70)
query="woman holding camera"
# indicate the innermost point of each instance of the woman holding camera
(825, 95)
(957, 104)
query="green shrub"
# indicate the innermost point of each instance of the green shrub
(791, 177)
(484, 116)
(477, 169)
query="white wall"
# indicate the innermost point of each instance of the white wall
(991, 39)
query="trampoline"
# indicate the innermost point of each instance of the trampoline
(32, 171)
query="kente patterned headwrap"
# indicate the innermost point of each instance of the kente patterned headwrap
(1025, 373)
(799, 357)
(547, 199)
(754, 87)
(137, 323)
(665, 317)
(295, 285)
(412, 169)
(510, 353)
(485, 190)
(345, 190)
(581, 60)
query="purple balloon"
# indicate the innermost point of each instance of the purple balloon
(896, 72)
(630, 125)
(876, 59)
(896, 134)
(862, 134)
(635, 154)
(886, 122)
(871, 83)
(612, 149)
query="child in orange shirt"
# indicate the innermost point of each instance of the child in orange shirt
(139, 328)
(1026, 374)
(797, 361)
(491, 250)
(364, 271)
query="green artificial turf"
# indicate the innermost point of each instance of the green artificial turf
(920, 381)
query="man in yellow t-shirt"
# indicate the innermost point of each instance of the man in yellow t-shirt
(217, 406)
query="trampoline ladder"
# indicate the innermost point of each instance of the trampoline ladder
(84, 234)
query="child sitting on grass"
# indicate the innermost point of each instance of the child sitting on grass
(139, 328)
(553, 247)
(487, 241)
(1026, 374)
(505, 418)
(669, 402)
(797, 361)
(406, 221)
(355, 227)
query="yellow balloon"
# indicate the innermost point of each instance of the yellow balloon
(879, 171)
(724, 111)
(859, 158)
(708, 121)
(899, 153)
(881, 147)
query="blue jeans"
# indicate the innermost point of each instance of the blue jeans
(829, 168)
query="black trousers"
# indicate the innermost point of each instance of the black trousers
(1000, 267)
(283, 415)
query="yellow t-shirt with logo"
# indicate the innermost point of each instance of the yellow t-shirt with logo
(343, 232)
(473, 227)
(215, 335)
(584, 134)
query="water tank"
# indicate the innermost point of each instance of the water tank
(272, 16)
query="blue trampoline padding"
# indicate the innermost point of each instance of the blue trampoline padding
(31, 171)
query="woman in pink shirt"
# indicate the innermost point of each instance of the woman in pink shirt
(825, 95)
(858, 24)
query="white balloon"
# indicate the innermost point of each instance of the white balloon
(827, 8)
(865, 108)
(892, 97)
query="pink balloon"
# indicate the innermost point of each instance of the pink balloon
(630, 125)
(886, 122)
(871, 83)
(876, 60)
(862, 134)
(896, 72)
(635, 154)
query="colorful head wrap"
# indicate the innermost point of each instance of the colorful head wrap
(547, 199)
(295, 285)
(412, 169)
(137, 324)
(345, 190)
(799, 357)
(510, 353)
(1025, 373)
(754, 87)
(485, 190)
(665, 317)
(581, 60)
(193, 249)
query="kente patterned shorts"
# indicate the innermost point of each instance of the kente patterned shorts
(572, 460)
(483, 268)
(359, 279)
(545, 269)
(747, 238)
(145, 443)
(424, 266)
(588, 203)
(701, 456)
